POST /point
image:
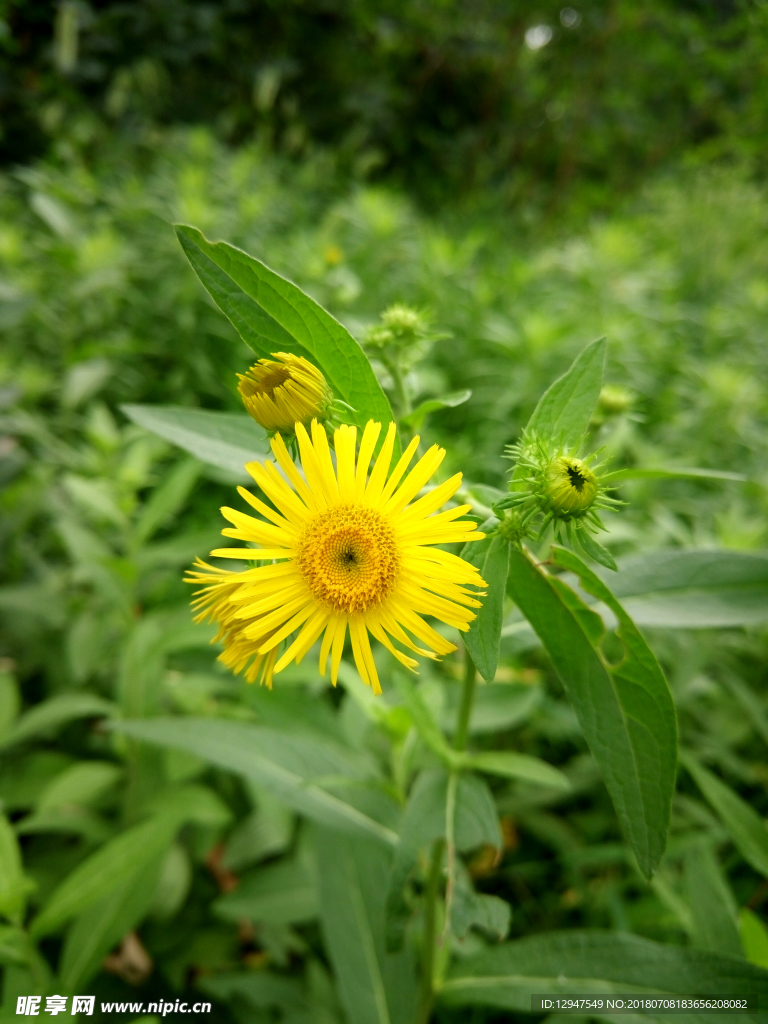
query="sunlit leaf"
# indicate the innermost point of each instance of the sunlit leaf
(272, 314)
(565, 408)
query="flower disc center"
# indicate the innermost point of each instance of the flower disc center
(348, 557)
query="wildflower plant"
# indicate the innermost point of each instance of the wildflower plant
(354, 558)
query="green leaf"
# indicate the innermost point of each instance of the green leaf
(166, 500)
(745, 826)
(280, 894)
(476, 822)
(14, 887)
(223, 439)
(78, 820)
(271, 314)
(713, 909)
(265, 832)
(425, 724)
(625, 711)
(196, 804)
(511, 765)
(173, 884)
(592, 961)
(679, 589)
(750, 703)
(286, 765)
(491, 558)
(594, 550)
(103, 924)
(376, 987)
(415, 419)
(469, 909)
(754, 937)
(263, 991)
(81, 784)
(23, 779)
(53, 713)
(10, 703)
(671, 473)
(103, 872)
(566, 407)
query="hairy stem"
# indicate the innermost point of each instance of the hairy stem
(427, 993)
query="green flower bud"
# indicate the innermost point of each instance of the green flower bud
(570, 487)
(512, 528)
(551, 484)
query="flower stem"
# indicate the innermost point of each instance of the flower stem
(427, 993)
(403, 399)
(465, 705)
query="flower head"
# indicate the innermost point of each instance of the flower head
(282, 391)
(343, 550)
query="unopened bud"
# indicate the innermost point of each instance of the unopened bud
(283, 391)
(570, 486)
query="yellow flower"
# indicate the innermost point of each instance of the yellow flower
(281, 391)
(344, 550)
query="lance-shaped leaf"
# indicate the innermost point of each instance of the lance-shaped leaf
(375, 986)
(274, 315)
(713, 908)
(224, 439)
(290, 766)
(511, 765)
(690, 589)
(56, 712)
(106, 870)
(491, 558)
(593, 961)
(745, 826)
(104, 924)
(565, 408)
(625, 710)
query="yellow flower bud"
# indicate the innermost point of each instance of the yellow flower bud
(283, 391)
(570, 486)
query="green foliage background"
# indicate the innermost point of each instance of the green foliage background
(610, 183)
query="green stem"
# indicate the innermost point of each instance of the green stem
(427, 994)
(465, 705)
(436, 863)
(404, 406)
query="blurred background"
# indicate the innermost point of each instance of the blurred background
(528, 176)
